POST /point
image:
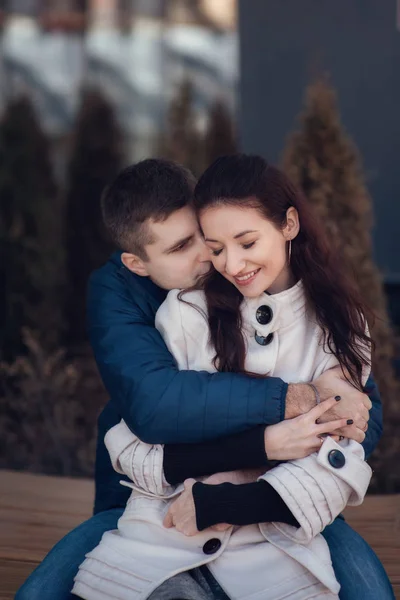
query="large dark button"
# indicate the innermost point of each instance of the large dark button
(212, 546)
(264, 314)
(264, 341)
(336, 459)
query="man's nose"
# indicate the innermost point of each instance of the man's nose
(204, 253)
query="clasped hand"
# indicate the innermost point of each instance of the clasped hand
(302, 435)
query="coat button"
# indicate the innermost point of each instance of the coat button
(212, 546)
(336, 459)
(263, 341)
(264, 314)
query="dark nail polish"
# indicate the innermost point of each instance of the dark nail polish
(350, 421)
(337, 398)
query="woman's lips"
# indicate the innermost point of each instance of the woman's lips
(247, 279)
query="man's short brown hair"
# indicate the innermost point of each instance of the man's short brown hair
(151, 189)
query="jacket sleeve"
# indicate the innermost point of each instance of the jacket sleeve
(159, 403)
(317, 488)
(142, 463)
(375, 423)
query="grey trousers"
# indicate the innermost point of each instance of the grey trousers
(197, 584)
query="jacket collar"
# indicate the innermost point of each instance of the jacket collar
(287, 307)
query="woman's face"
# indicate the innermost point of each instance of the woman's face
(248, 249)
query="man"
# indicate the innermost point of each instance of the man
(148, 214)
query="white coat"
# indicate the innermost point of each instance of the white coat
(268, 560)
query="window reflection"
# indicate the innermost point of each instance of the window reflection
(136, 51)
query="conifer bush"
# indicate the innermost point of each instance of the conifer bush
(96, 158)
(183, 141)
(31, 220)
(220, 137)
(323, 161)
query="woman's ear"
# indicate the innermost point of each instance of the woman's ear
(134, 264)
(292, 226)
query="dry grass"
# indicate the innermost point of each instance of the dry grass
(49, 407)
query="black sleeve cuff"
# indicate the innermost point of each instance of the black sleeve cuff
(244, 504)
(244, 450)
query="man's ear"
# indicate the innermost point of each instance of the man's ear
(134, 264)
(292, 226)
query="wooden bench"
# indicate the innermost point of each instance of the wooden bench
(36, 511)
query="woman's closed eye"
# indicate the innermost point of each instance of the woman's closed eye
(247, 246)
(244, 246)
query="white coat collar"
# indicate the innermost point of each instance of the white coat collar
(287, 307)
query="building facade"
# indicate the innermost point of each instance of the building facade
(284, 45)
(135, 51)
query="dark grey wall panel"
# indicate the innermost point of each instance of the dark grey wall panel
(285, 44)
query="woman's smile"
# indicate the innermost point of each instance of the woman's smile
(247, 278)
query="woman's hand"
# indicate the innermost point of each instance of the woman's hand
(236, 477)
(353, 405)
(182, 512)
(299, 437)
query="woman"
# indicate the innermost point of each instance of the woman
(276, 304)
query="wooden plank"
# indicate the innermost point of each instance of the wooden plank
(377, 520)
(36, 511)
(12, 574)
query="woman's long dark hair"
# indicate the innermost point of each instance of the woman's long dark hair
(244, 180)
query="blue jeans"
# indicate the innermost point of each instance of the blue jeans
(357, 567)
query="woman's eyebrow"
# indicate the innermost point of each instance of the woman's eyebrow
(235, 237)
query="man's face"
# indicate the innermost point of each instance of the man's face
(178, 256)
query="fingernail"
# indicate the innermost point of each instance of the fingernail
(350, 421)
(337, 398)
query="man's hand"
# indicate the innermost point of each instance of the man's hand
(353, 404)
